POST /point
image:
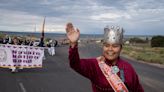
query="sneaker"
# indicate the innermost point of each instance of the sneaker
(14, 70)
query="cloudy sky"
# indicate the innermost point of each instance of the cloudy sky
(137, 17)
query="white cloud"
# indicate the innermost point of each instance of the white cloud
(88, 15)
(45, 2)
(55, 28)
(22, 21)
(110, 16)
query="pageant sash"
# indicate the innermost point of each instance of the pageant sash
(111, 75)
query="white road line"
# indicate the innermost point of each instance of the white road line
(22, 87)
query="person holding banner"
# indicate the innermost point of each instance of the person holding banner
(15, 42)
(108, 72)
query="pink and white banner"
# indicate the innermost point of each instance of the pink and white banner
(21, 56)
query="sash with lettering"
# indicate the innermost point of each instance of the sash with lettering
(112, 77)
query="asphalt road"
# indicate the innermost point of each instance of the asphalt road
(57, 76)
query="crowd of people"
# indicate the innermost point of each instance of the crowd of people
(108, 72)
(50, 45)
(19, 41)
(9, 40)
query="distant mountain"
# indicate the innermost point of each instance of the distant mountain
(36, 34)
(62, 35)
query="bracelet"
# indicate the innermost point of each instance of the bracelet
(74, 44)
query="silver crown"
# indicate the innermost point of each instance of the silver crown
(113, 34)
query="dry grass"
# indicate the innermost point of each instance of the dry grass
(145, 53)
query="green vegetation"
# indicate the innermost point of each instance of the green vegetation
(157, 41)
(145, 53)
(138, 40)
(2, 35)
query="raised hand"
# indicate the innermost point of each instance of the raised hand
(72, 33)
